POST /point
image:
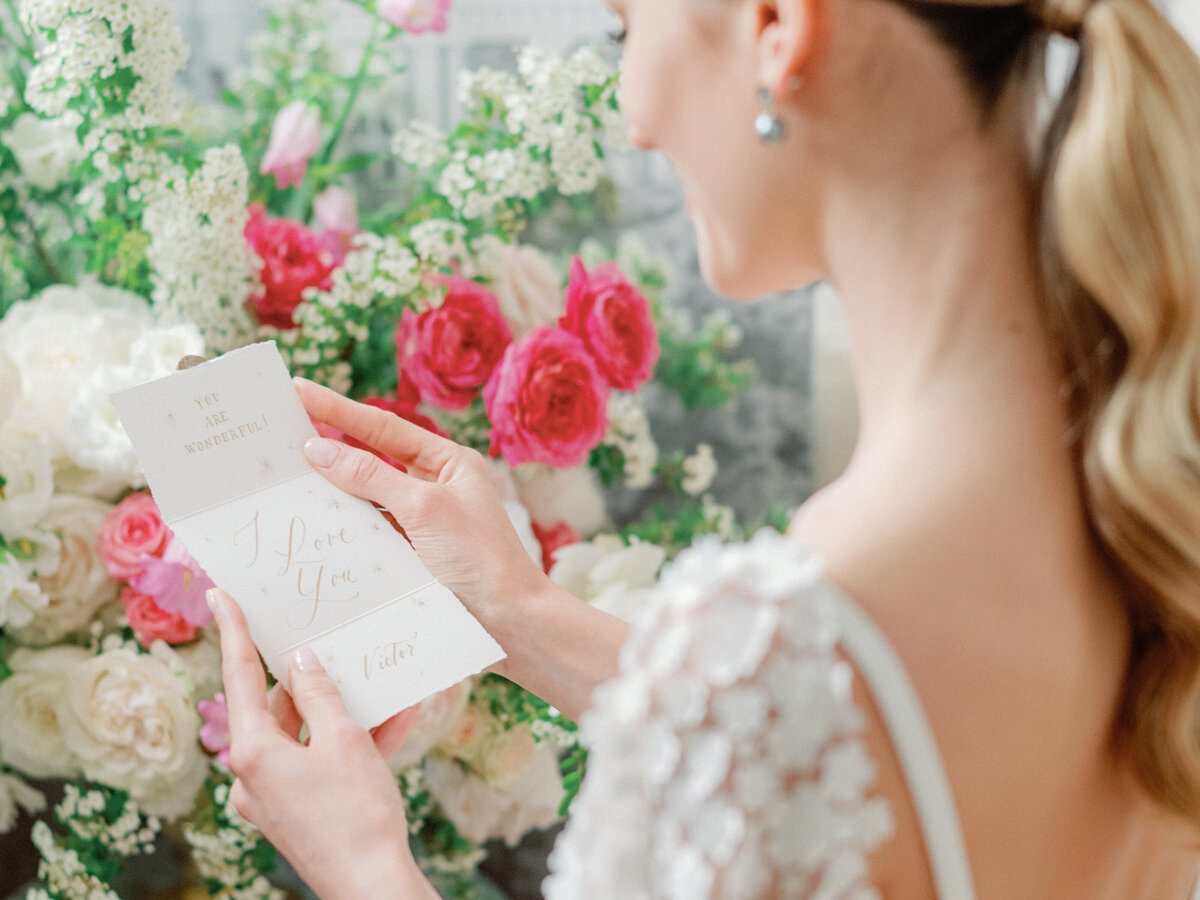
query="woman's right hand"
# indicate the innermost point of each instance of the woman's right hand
(446, 503)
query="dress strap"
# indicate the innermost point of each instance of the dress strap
(913, 741)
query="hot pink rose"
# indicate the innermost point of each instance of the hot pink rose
(450, 352)
(415, 16)
(295, 137)
(293, 260)
(151, 622)
(133, 527)
(547, 400)
(613, 318)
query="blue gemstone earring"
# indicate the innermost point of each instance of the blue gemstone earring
(767, 124)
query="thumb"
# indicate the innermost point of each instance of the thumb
(314, 694)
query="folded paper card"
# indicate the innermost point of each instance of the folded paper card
(221, 446)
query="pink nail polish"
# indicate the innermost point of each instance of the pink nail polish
(321, 451)
(306, 660)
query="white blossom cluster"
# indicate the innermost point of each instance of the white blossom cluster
(63, 872)
(128, 835)
(377, 269)
(297, 45)
(556, 114)
(440, 242)
(222, 856)
(699, 469)
(16, 794)
(85, 43)
(629, 431)
(203, 270)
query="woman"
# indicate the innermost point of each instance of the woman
(972, 667)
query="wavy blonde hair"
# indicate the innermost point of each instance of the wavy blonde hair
(1119, 188)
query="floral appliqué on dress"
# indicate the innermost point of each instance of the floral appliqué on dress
(726, 757)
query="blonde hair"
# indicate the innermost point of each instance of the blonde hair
(1120, 240)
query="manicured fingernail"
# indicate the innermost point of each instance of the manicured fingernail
(306, 661)
(321, 451)
(211, 596)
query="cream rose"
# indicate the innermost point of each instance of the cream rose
(535, 796)
(475, 807)
(10, 386)
(133, 725)
(20, 594)
(528, 289)
(31, 705)
(435, 716)
(503, 755)
(79, 586)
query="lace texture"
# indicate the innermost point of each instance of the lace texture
(726, 756)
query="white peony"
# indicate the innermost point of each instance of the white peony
(79, 585)
(28, 481)
(14, 794)
(45, 148)
(608, 573)
(562, 495)
(20, 594)
(503, 755)
(31, 706)
(133, 725)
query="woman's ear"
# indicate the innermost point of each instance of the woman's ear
(787, 38)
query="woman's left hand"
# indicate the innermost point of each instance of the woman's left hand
(330, 805)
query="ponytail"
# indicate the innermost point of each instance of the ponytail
(1121, 250)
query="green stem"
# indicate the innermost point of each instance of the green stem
(44, 257)
(355, 87)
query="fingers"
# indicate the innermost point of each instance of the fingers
(419, 450)
(315, 696)
(284, 712)
(359, 472)
(390, 735)
(245, 683)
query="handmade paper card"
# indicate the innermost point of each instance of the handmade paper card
(221, 447)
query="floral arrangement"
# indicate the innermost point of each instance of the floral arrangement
(139, 228)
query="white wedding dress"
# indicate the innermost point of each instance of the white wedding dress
(726, 756)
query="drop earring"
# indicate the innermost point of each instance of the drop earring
(767, 124)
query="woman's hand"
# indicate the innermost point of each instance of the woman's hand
(330, 805)
(558, 647)
(446, 503)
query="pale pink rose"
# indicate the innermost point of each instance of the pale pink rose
(295, 137)
(337, 212)
(528, 289)
(546, 400)
(415, 16)
(150, 622)
(132, 530)
(612, 317)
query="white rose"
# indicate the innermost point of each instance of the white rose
(435, 716)
(608, 573)
(28, 480)
(132, 724)
(10, 386)
(562, 495)
(101, 456)
(44, 148)
(31, 706)
(16, 793)
(79, 585)
(529, 290)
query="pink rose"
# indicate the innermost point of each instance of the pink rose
(150, 622)
(293, 259)
(295, 136)
(415, 16)
(546, 400)
(214, 733)
(550, 539)
(450, 352)
(613, 319)
(133, 528)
